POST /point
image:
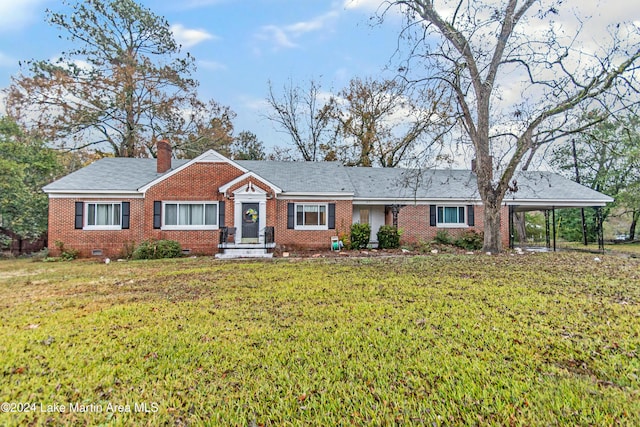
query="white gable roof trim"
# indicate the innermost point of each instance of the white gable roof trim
(209, 156)
(248, 175)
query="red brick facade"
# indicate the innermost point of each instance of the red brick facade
(198, 182)
(110, 242)
(289, 238)
(413, 220)
(201, 181)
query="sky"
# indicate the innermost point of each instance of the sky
(239, 46)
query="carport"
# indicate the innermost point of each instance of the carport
(547, 193)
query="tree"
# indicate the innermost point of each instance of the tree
(246, 146)
(515, 78)
(210, 126)
(26, 165)
(629, 198)
(306, 118)
(380, 122)
(124, 85)
(607, 159)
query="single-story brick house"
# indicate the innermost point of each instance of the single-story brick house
(214, 205)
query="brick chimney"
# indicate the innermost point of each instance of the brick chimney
(163, 156)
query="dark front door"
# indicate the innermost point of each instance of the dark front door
(250, 221)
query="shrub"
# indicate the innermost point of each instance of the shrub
(442, 237)
(128, 248)
(360, 234)
(388, 237)
(156, 249)
(344, 239)
(66, 254)
(470, 240)
(5, 241)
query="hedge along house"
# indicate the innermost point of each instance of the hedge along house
(214, 205)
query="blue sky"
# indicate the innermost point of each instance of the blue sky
(239, 46)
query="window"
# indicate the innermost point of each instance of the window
(105, 216)
(313, 217)
(451, 215)
(364, 216)
(190, 215)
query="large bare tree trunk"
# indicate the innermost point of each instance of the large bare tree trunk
(520, 224)
(492, 235)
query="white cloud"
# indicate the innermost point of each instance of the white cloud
(81, 64)
(188, 37)
(315, 24)
(7, 61)
(15, 14)
(370, 5)
(212, 65)
(277, 36)
(283, 36)
(256, 104)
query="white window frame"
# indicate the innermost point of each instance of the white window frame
(100, 227)
(312, 227)
(464, 224)
(190, 227)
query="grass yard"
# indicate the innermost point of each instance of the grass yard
(539, 339)
(630, 249)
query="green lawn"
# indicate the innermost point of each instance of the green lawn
(632, 249)
(540, 339)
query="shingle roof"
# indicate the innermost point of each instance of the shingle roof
(396, 183)
(538, 185)
(111, 174)
(298, 177)
(126, 174)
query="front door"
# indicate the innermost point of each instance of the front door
(250, 222)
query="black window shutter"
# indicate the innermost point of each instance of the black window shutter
(157, 214)
(291, 215)
(433, 215)
(79, 212)
(471, 220)
(125, 215)
(332, 216)
(221, 214)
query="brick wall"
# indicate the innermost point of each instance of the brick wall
(112, 243)
(414, 222)
(198, 182)
(311, 239)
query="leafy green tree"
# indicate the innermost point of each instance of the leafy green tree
(123, 85)
(213, 130)
(246, 146)
(607, 159)
(26, 165)
(569, 225)
(629, 199)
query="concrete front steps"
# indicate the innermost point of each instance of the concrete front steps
(245, 250)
